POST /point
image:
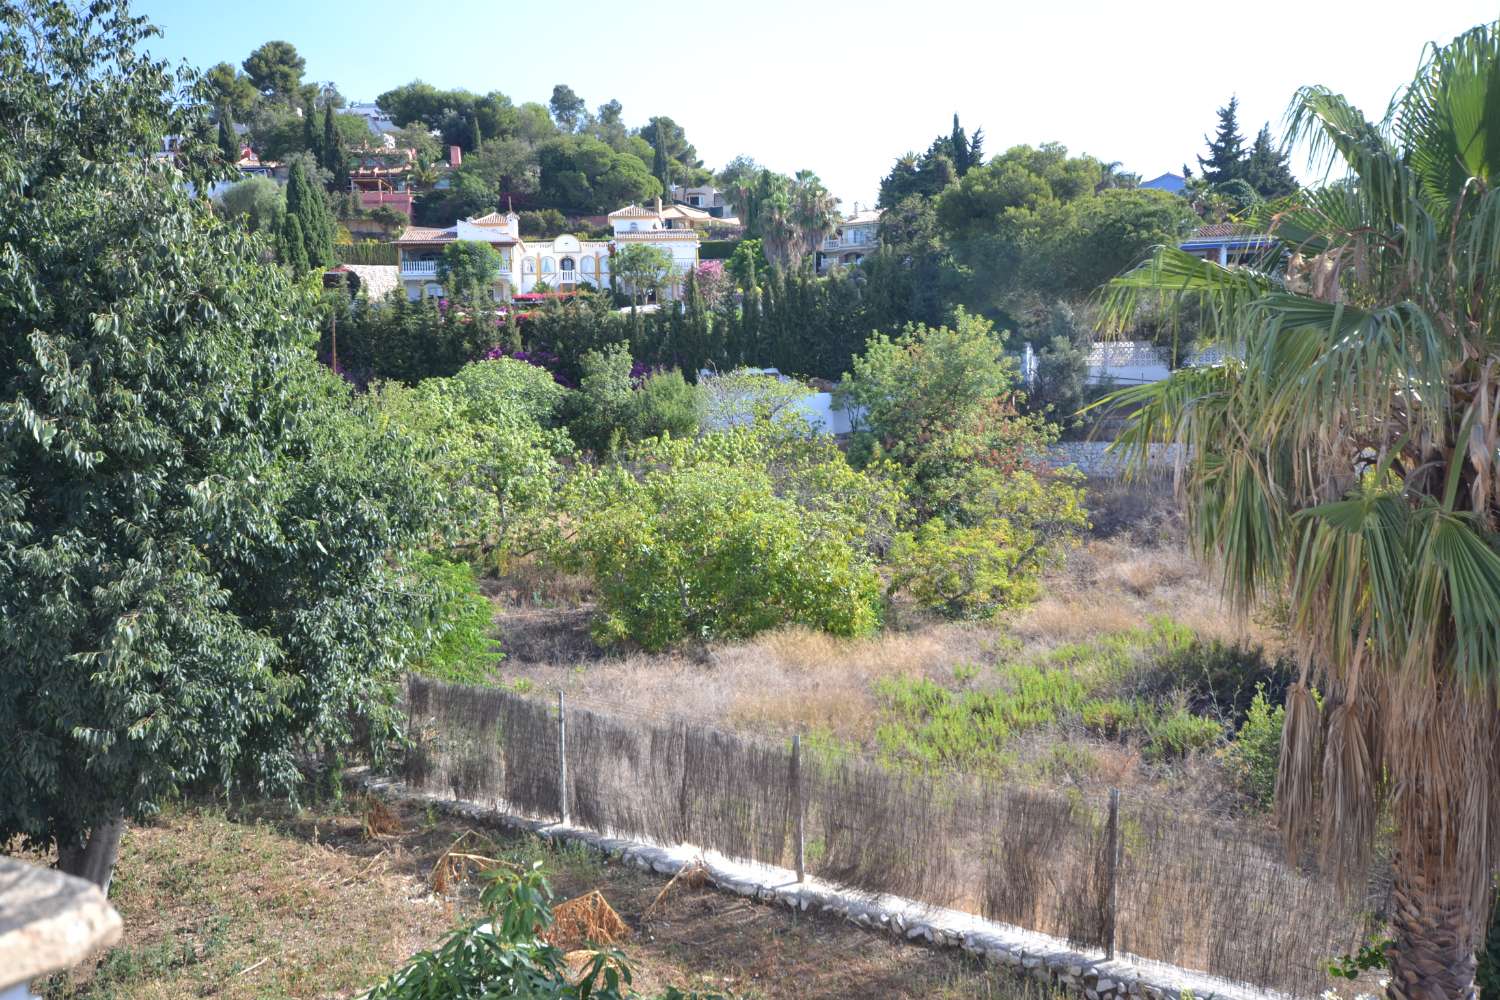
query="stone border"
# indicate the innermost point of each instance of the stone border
(1047, 959)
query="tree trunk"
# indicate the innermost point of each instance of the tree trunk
(1433, 954)
(95, 860)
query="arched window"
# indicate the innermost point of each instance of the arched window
(634, 226)
(567, 264)
(528, 266)
(588, 265)
(547, 266)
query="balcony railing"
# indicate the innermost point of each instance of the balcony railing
(418, 268)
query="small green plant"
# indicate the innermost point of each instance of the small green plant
(506, 954)
(1369, 956)
(1255, 753)
(459, 645)
(1180, 733)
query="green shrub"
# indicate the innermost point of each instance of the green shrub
(1180, 733)
(1255, 753)
(457, 640)
(726, 536)
(1112, 718)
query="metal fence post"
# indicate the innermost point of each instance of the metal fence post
(562, 757)
(1113, 867)
(797, 803)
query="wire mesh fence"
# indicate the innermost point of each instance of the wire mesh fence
(1153, 881)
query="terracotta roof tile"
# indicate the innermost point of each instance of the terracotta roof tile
(633, 212)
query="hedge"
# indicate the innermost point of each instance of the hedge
(717, 249)
(366, 252)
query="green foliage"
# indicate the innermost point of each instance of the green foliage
(365, 252)
(1368, 957)
(991, 556)
(257, 201)
(581, 173)
(200, 539)
(1226, 152)
(1126, 687)
(487, 451)
(1487, 974)
(1255, 753)
(641, 270)
(717, 249)
(306, 203)
(726, 536)
(275, 69)
(402, 340)
(506, 955)
(459, 645)
(468, 270)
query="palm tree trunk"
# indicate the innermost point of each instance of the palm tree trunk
(1433, 957)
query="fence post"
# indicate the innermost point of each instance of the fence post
(799, 806)
(562, 757)
(1113, 869)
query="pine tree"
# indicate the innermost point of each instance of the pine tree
(958, 144)
(291, 248)
(228, 145)
(1226, 150)
(1267, 168)
(976, 148)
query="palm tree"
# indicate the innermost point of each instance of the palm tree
(1345, 459)
(815, 212)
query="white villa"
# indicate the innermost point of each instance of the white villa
(856, 236)
(561, 264)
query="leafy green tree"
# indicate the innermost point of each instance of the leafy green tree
(682, 160)
(1342, 460)
(275, 70)
(468, 270)
(641, 270)
(200, 547)
(257, 201)
(1226, 150)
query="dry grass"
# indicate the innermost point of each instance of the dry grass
(268, 903)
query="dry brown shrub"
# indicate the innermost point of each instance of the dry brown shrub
(693, 875)
(379, 821)
(585, 920)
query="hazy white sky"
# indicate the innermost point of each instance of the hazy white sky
(844, 87)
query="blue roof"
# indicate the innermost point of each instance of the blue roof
(1170, 183)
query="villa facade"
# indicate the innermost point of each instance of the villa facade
(855, 237)
(561, 264)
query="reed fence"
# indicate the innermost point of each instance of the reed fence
(1116, 872)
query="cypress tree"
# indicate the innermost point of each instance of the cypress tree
(958, 144)
(1267, 169)
(306, 201)
(292, 245)
(976, 148)
(659, 163)
(1226, 150)
(309, 138)
(228, 145)
(474, 131)
(334, 159)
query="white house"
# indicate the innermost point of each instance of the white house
(561, 264)
(856, 236)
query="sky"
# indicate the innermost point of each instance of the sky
(843, 88)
